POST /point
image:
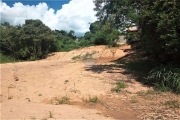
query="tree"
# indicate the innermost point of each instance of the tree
(94, 27)
(103, 33)
(160, 26)
(158, 22)
(71, 34)
(9, 39)
(37, 39)
(33, 40)
(87, 35)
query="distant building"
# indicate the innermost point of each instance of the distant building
(133, 28)
(134, 39)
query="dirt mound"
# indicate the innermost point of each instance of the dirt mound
(93, 52)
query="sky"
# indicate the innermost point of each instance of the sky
(57, 14)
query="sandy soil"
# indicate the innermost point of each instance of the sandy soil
(32, 90)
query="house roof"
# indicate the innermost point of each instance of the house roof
(132, 29)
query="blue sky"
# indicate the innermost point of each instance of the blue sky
(56, 14)
(55, 4)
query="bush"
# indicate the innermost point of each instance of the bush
(165, 78)
(7, 59)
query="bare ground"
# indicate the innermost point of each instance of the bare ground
(60, 87)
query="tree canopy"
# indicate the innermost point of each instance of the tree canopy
(158, 22)
(34, 40)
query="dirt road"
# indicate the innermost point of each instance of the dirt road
(72, 85)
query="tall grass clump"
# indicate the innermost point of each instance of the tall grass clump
(165, 78)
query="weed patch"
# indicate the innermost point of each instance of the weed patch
(83, 57)
(78, 57)
(62, 100)
(172, 104)
(119, 86)
(75, 90)
(88, 56)
(93, 99)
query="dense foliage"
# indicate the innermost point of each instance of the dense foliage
(159, 32)
(102, 34)
(158, 22)
(34, 40)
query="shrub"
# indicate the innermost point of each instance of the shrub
(165, 78)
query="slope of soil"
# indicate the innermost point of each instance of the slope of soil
(65, 85)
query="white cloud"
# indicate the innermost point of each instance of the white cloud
(76, 15)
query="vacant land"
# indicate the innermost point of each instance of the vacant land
(81, 84)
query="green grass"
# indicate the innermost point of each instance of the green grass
(7, 59)
(119, 86)
(165, 78)
(162, 77)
